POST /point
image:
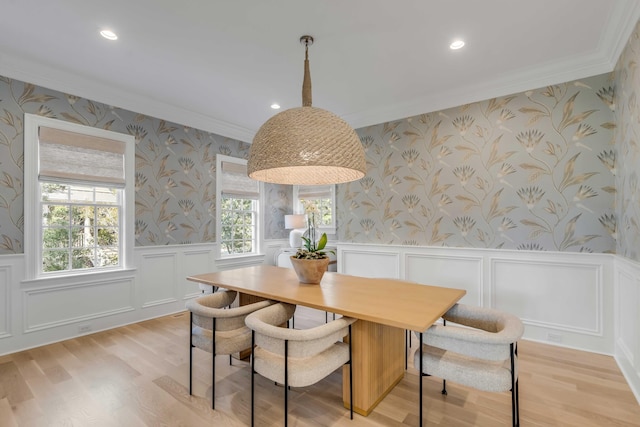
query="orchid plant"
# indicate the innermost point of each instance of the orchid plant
(312, 248)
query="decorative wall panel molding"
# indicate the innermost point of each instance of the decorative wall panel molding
(49, 307)
(627, 320)
(369, 263)
(160, 278)
(627, 298)
(562, 296)
(194, 262)
(598, 319)
(5, 301)
(462, 272)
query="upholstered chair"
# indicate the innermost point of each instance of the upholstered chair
(482, 353)
(211, 316)
(296, 357)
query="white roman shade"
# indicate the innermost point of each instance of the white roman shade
(65, 156)
(314, 192)
(236, 183)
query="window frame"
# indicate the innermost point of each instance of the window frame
(259, 228)
(33, 198)
(299, 209)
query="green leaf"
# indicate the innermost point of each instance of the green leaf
(322, 242)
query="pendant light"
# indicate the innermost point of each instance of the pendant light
(306, 145)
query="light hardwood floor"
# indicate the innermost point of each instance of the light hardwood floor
(137, 375)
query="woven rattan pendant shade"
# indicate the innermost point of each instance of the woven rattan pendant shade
(306, 145)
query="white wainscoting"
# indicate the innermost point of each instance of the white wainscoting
(627, 319)
(47, 307)
(451, 271)
(563, 298)
(8, 266)
(580, 300)
(33, 313)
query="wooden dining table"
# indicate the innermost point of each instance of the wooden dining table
(385, 308)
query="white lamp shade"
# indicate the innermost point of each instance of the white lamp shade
(294, 221)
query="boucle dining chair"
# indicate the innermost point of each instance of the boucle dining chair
(211, 316)
(482, 353)
(296, 357)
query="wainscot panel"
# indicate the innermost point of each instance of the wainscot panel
(451, 271)
(161, 276)
(195, 261)
(369, 261)
(39, 312)
(52, 306)
(5, 300)
(563, 298)
(627, 317)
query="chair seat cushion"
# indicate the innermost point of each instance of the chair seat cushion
(480, 374)
(303, 371)
(227, 342)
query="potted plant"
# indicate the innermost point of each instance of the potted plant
(311, 261)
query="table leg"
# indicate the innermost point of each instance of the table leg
(378, 364)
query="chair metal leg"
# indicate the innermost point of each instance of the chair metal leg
(213, 366)
(517, 391)
(190, 352)
(444, 382)
(253, 342)
(515, 410)
(406, 350)
(350, 376)
(230, 363)
(286, 380)
(420, 379)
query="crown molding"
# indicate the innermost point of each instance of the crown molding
(563, 71)
(55, 79)
(622, 21)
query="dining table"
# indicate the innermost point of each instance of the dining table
(385, 309)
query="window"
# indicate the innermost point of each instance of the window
(80, 226)
(323, 198)
(78, 203)
(238, 208)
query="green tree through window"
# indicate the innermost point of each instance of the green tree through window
(238, 221)
(80, 227)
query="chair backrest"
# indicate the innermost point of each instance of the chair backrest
(488, 333)
(302, 342)
(207, 307)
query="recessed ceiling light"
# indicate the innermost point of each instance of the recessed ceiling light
(275, 106)
(456, 44)
(109, 35)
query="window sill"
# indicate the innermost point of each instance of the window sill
(240, 260)
(328, 230)
(65, 279)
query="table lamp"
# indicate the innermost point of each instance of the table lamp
(295, 223)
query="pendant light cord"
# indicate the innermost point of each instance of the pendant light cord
(306, 82)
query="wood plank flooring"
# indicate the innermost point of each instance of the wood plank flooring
(137, 375)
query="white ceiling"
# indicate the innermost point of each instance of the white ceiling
(218, 65)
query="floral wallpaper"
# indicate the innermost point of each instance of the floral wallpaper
(627, 136)
(175, 168)
(529, 171)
